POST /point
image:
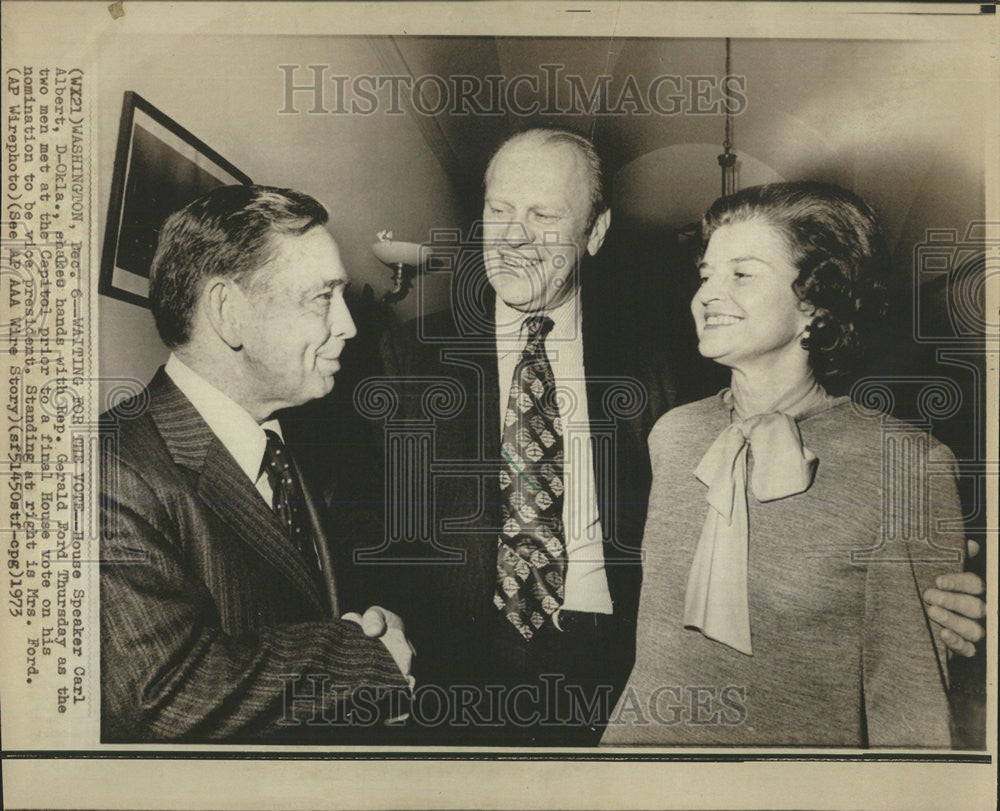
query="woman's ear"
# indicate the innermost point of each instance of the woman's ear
(810, 313)
(815, 319)
(223, 303)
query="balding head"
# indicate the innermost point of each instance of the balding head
(590, 162)
(542, 189)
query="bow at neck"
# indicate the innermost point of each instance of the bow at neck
(717, 601)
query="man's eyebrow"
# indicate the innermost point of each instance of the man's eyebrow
(550, 208)
(323, 287)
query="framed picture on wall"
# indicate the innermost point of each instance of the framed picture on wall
(159, 168)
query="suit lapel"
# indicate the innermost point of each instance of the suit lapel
(619, 465)
(596, 345)
(470, 356)
(477, 352)
(485, 554)
(491, 404)
(223, 487)
(322, 540)
(230, 495)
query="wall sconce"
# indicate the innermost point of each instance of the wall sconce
(404, 260)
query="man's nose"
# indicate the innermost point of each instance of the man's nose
(516, 232)
(341, 322)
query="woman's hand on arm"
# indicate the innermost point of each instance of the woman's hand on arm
(957, 606)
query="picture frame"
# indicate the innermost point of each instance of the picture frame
(159, 168)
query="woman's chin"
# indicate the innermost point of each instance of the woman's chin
(715, 353)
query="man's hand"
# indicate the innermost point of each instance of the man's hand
(389, 629)
(956, 605)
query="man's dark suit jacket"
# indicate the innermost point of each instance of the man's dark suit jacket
(446, 598)
(207, 609)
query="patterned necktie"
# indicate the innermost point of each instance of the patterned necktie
(531, 559)
(288, 501)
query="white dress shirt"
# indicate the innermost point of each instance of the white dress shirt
(240, 433)
(586, 580)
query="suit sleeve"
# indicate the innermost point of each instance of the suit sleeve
(169, 671)
(904, 659)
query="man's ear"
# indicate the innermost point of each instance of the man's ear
(220, 304)
(598, 232)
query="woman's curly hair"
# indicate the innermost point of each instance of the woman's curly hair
(836, 243)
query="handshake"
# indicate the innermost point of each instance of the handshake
(388, 628)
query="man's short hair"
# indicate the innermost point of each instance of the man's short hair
(227, 232)
(584, 148)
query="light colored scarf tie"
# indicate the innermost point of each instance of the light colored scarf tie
(717, 601)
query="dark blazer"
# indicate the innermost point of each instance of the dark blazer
(208, 613)
(442, 374)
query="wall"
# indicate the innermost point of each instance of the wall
(371, 172)
(898, 122)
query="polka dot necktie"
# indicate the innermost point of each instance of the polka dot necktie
(288, 501)
(531, 559)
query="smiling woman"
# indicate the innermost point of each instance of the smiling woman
(746, 313)
(789, 535)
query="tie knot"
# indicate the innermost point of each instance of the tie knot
(276, 459)
(538, 327)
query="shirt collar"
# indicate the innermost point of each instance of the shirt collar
(242, 436)
(512, 336)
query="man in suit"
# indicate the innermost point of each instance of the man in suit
(537, 605)
(219, 608)
(514, 540)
